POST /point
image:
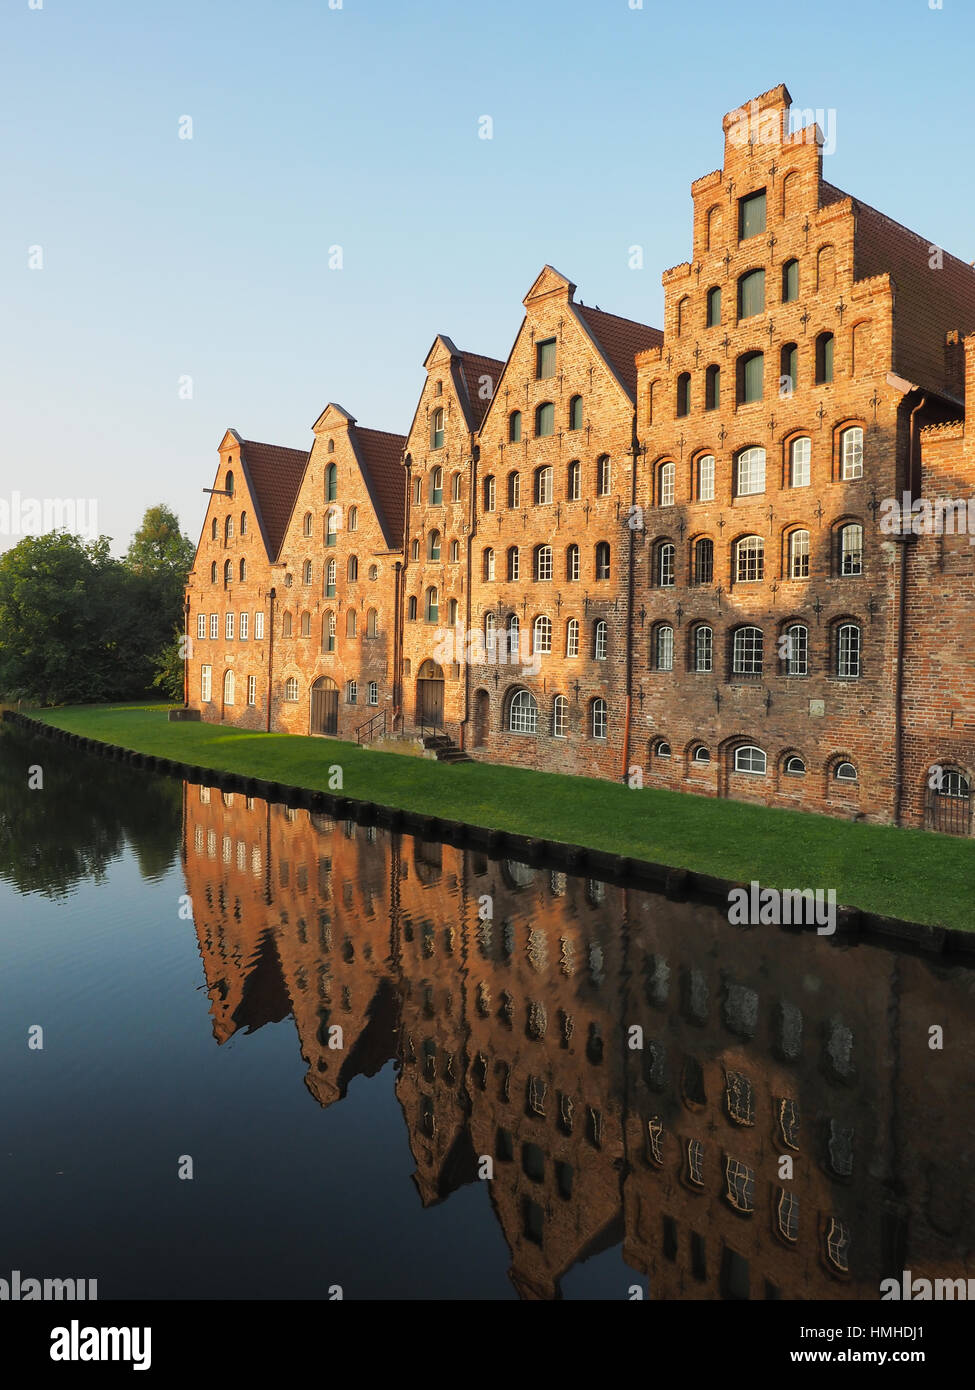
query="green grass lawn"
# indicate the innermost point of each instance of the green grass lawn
(904, 873)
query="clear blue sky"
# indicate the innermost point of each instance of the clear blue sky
(359, 127)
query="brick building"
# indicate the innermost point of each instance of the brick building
(629, 548)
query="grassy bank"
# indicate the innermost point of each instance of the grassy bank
(903, 873)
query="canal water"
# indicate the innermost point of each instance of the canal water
(250, 1052)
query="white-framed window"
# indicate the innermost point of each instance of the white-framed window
(514, 563)
(490, 634)
(795, 650)
(794, 766)
(599, 718)
(490, 494)
(291, 689)
(703, 648)
(705, 478)
(572, 563)
(258, 625)
(749, 559)
(604, 476)
(252, 690)
(751, 472)
(799, 555)
(702, 756)
(229, 688)
(543, 486)
(214, 625)
(845, 772)
(574, 490)
(244, 630)
(600, 639)
(851, 549)
(543, 562)
(751, 759)
(664, 654)
(487, 564)
(201, 625)
(542, 636)
(800, 456)
(667, 471)
(666, 561)
(747, 652)
(206, 678)
(372, 695)
(306, 572)
(572, 637)
(851, 453)
(523, 715)
(229, 632)
(352, 692)
(560, 714)
(848, 651)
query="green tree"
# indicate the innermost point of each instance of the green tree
(170, 668)
(159, 546)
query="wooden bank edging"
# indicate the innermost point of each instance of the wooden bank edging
(852, 923)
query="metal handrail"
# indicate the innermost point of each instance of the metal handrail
(379, 717)
(433, 729)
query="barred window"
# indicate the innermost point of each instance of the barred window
(704, 560)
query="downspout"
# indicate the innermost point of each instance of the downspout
(635, 450)
(904, 539)
(270, 654)
(186, 651)
(399, 624)
(475, 455)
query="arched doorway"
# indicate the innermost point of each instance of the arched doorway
(949, 802)
(482, 716)
(324, 706)
(429, 695)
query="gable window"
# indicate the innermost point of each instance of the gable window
(704, 561)
(799, 555)
(665, 484)
(703, 648)
(436, 428)
(750, 478)
(372, 623)
(305, 626)
(243, 570)
(411, 608)
(851, 549)
(712, 387)
(683, 394)
(790, 282)
(350, 623)
(682, 305)
(436, 492)
(514, 427)
(751, 759)
(545, 419)
(418, 490)
(599, 640)
(575, 413)
(751, 377)
(749, 559)
(330, 579)
(213, 573)
(331, 483)
(228, 573)
(713, 319)
(824, 359)
(328, 632)
(213, 529)
(851, 453)
(353, 568)
(751, 294)
(751, 215)
(794, 650)
(306, 524)
(572, 563)
(664, 648)
(415, 548)
(306, 572)
(543, 486)
(604, 476)
(705, 478)
(602, 560)
(747, 652)
(332, 529)
(523, 714)
(514, 491)
(799, 458)
(574, 488)
(545, 358)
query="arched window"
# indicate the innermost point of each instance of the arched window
(701, 757)
(751, 759)
(800, 455)
(331, 528)
(243, 570)
(291, 690)
(794, 766)
(851, 453)
(228, 529)
(352, 692)
(432, 605)
(851, 549)
(350, 623)
(487, 564)
(712, 387)
(418, 490)
(543, 562)
(306, 524)
(600, 634)
(228, 483)
(574, 481)
(599, 720)
(213, 529)
(602, 560)
(436, 487)
(306, 572)
(331, 482)
(749, 559)
(790, 281)
(751, 377)
(661, 749)
(352, 522)
(705, 478)
(286, 625)
(663, 653)
(411, 608)
(799, 555)
(750, 472)
(415, 548)
(455, 487)
(328, 632)
(703, 568)
(514, 427)
(845, 772)
(604, 476)
(489, 494)
(305, 625)
(545, 419)
(682, 307)
(572, 637)
(713, 318)
(330, 579)
(788, 370)
(543, 486)
(514, 634)
(213, 573)
(713, 228)
(228, 573)
(490, 634)
(514, 563)
(825, 268)
(665, 484)
(572, 563)
(514, 490)
(683, 394)
(523, 713)
(575, 413)
(747, 651)
(353, 568)
(331, 447)
(452, 611)
(560, 716)
(433, 545)
(794, 650)
(542, 636)
(228, 688)
(436, 428)
(824, 359)
(373, 693)
(848, 642)
(372, 623)
(664, 569)
(751, 294)
(703, 648)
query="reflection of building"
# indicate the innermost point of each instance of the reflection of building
(636, 1068)
(627, 547)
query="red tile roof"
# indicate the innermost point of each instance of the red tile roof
(380, 457)
(619, 340)
(473, 369)
(274, 475)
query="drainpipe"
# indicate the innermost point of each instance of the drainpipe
(270, 654)
(904, 540)
(186, 651)
(635, 450)
(475, 456)
(398, 587)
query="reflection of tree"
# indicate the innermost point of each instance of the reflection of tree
(51, 839)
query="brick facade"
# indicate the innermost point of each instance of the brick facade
(653, 554)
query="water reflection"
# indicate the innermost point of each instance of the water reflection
(753, 1114)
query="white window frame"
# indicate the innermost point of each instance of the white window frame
(258, 625)
(761, 762)
(206, 684)
(229, 627)
(243, 627)
(201, 625)
(851, 445)
(214, 626)
(560, 714)
(705, 478)
(800, 459)
(750, 478)
(252, 690)
(572, 637)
